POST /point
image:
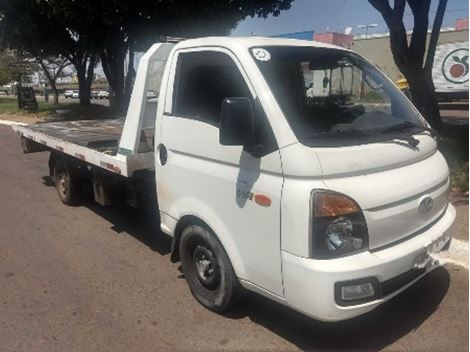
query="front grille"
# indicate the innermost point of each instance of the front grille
(397, 282)
(413, 235)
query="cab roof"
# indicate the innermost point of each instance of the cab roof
(249, 42)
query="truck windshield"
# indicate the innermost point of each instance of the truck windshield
(331, 96)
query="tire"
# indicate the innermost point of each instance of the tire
(68, 190)
(208, 270)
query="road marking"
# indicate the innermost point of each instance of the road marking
(11, 123)
(457, 253)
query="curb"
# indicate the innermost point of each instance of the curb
(457, 253)
(11, 123)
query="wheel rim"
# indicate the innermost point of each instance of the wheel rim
(62, 183)
(206, 267)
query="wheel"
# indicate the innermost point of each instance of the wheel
(67, 189)
(208, 270)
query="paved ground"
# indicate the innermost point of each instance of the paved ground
(94, 279)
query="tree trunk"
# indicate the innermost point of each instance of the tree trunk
(55, 92)
(51, 79)
(85, 70)
(112, 60)
(83, 86)
(411, 58)
(424, 97)
(114, 70)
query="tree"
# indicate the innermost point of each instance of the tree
(7, 72)
(84, 30)
(412, 59)
(35, 27)
(53, 68)
(118, 28)
(15, 68)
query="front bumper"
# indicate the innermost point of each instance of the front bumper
(309, 284)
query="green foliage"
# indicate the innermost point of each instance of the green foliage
(7, 74)
(9, 105)
(47, 110)
(459, 177)
(15, 68)
(82, 30)
(454, 147)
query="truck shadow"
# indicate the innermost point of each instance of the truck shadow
(371, 332)
(126, 220)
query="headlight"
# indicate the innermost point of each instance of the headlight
(338, 226)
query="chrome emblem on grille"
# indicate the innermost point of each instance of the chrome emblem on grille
(425, 205)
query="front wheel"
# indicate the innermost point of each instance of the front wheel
(208, 270)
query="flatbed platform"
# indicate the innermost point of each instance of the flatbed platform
(102, 135)
(93, 141)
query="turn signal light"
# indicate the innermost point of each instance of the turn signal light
(332, 204)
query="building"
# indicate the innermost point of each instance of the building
(304, 35)
(339, 39)
(461, 24)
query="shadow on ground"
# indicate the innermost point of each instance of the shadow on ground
(371, 332)
(126, 220)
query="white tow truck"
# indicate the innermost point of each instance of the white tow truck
(329, 199)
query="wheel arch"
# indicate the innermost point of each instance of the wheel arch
(217, 231)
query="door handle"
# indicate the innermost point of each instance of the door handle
(162, 154)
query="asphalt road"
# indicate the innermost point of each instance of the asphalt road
(90, 278)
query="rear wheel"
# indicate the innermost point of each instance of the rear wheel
(208, 270)
(68, 190)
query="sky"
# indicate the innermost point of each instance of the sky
(336, 16)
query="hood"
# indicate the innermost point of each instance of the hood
(389, 181)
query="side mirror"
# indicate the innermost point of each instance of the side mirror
(237, 122)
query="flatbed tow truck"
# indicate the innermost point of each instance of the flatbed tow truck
(290, 168)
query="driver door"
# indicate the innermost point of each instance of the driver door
(221, 184)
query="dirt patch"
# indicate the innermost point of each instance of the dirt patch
(459, 229)
(20, 118)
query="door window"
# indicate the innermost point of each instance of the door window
(203, 80)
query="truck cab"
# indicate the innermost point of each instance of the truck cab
(319, 180)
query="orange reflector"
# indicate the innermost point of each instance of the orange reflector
(332, 204)
(262, 200)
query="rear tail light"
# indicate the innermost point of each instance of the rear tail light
(338, 226)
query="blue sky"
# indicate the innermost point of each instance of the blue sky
(336, 15)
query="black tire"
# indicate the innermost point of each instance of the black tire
(208, 270)
(68, 190)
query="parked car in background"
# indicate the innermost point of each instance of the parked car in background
(103, 94)
(75, 94)
(94, 94)
(68, 94)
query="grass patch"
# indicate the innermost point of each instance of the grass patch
(455, 150)
(63, 111)
(10, 106)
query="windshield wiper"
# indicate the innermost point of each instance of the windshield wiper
(411, 140)
(406, 124)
